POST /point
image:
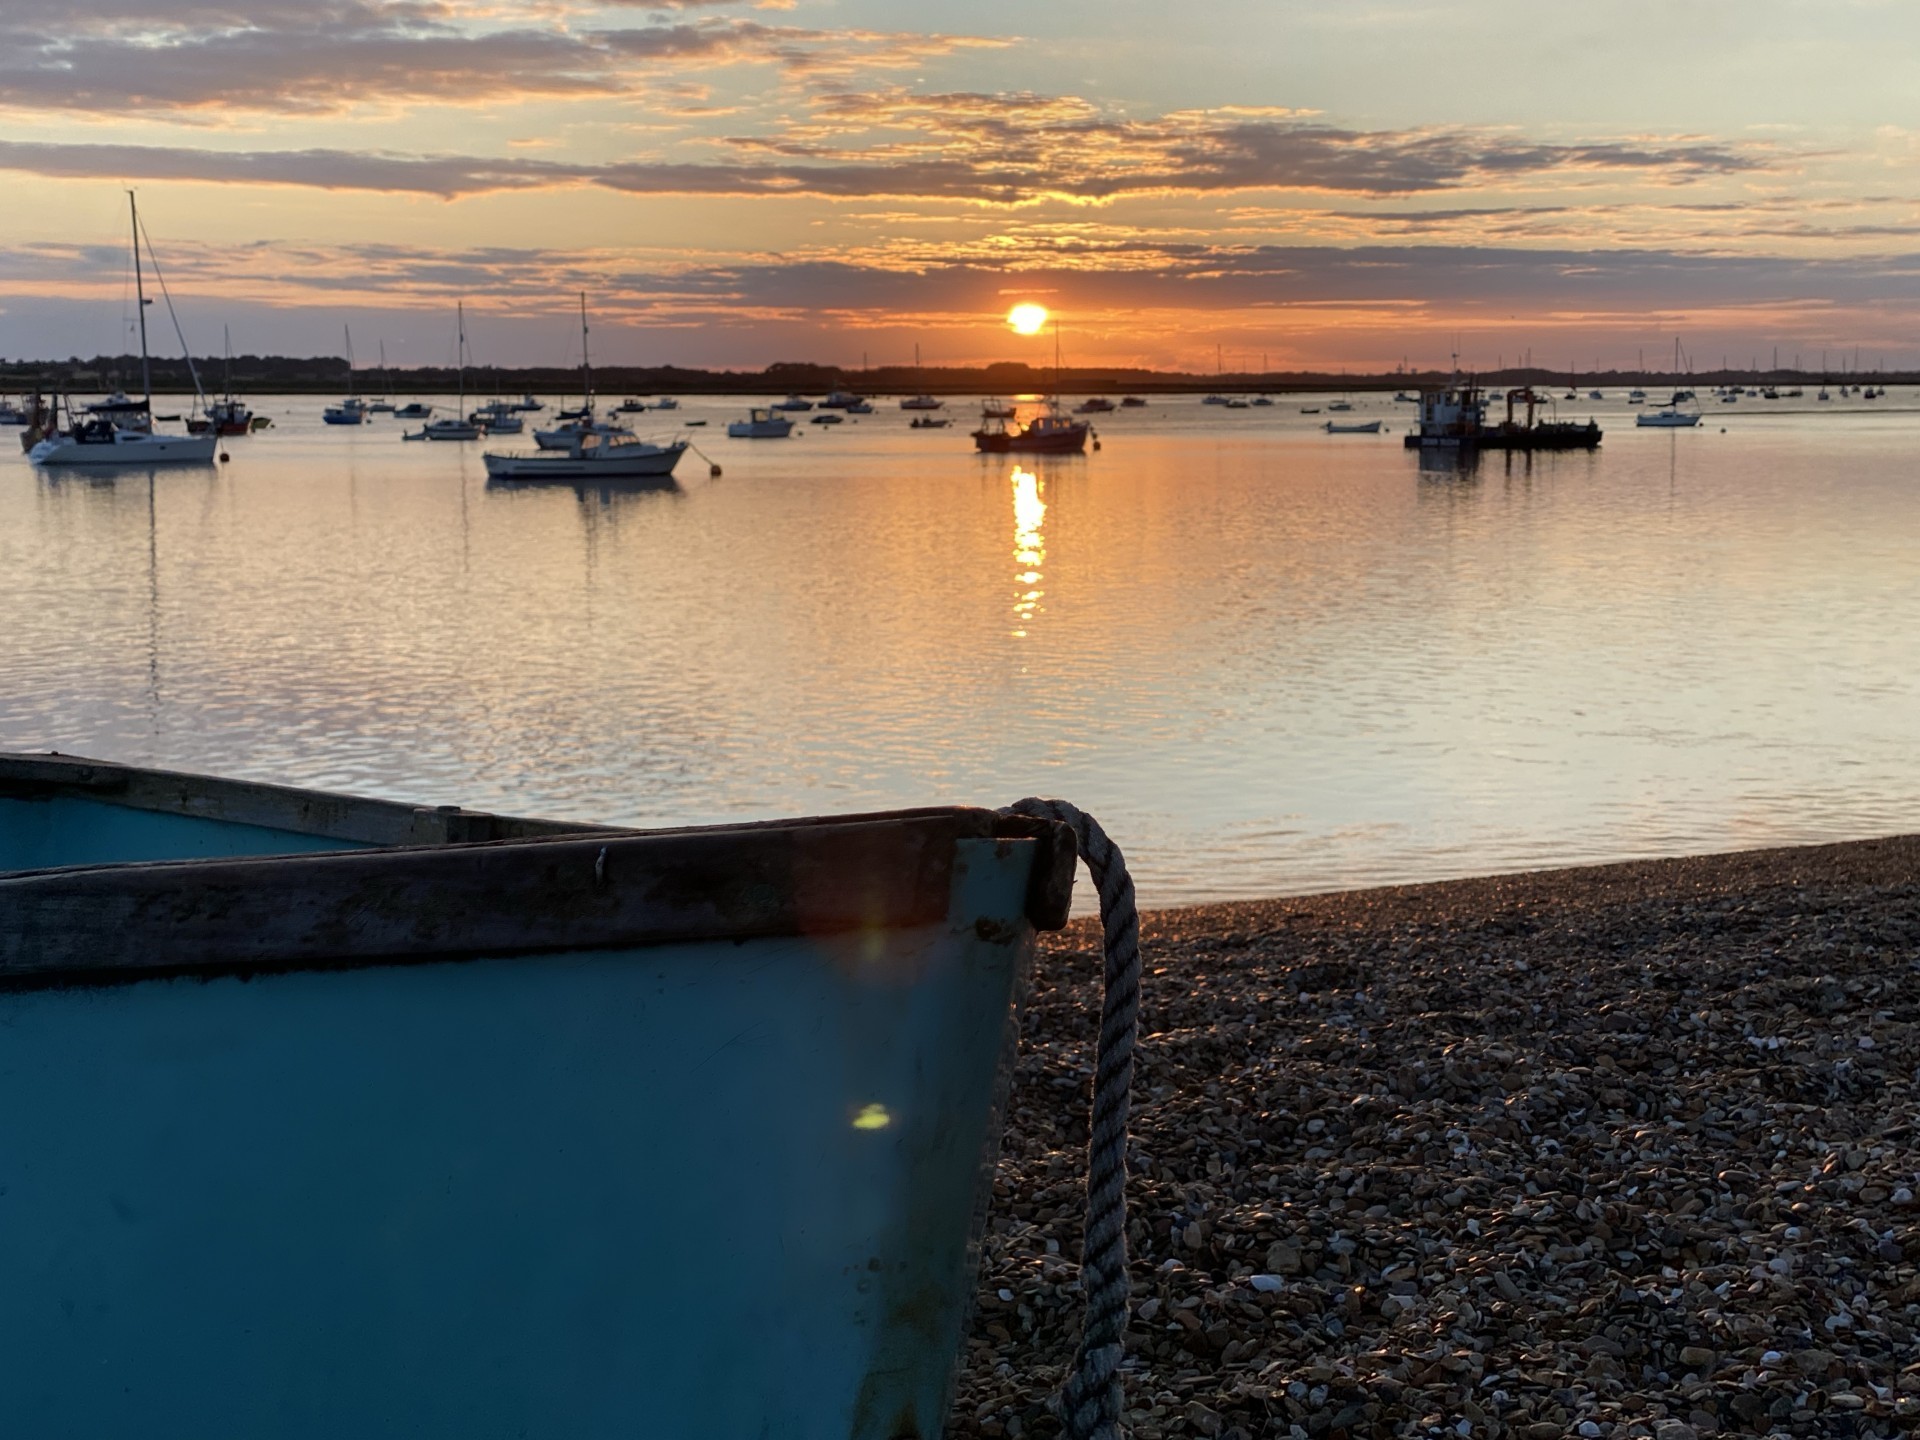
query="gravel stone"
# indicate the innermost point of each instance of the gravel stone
(1593, 1152)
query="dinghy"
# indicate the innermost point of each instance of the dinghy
(323, 1116)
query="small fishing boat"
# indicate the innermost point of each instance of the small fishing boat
(528, 405)
(414, 410)
(795, 403)
(994, 408)
(379, 1118)
(839, 400)
(1215, 399)
(857, 406)
(1236, 403)
(666, 402)
(760, 424)
(1132, 402)
(1261, 400)
(1309, 409)
(630, 406)
(1596, 395)
(828, 419)
(591, 457)
(1636, 396)
(227, 415)
(1094, 405)
(1339, 405)
(929, 422)
(1352, 427)
(1049, 433)
(11, 414)
(348, 412)
(1401, 397)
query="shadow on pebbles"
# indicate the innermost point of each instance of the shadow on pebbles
(1626, 1151)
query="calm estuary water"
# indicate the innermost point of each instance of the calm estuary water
(1272, 660)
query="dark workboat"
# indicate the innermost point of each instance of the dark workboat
(1454, 417)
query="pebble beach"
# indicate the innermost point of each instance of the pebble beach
(1625, 1151)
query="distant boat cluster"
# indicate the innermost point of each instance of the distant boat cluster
(585, 444)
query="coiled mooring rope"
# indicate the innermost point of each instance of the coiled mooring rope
(1089, 1401)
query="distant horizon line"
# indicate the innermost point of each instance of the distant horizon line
(297, 373)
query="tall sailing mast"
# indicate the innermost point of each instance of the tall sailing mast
(140, 294)
(586, 361)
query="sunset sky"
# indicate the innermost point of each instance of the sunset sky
(1328, 185)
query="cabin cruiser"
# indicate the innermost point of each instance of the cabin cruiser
(760, 424)
(590, 457)
(795, 403)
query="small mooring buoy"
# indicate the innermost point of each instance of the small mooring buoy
(713, 470)
(223, 457)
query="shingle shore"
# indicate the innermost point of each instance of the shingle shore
(1623, 1151)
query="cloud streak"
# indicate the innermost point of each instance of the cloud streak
(1179, 155)
(159, 59)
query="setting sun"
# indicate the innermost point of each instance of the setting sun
(1027, 319)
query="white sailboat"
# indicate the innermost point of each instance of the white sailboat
(99, 441)
(576, 423)
(922, 401)
(453, 427)
(352, 410)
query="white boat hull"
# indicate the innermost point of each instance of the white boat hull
(1662, 421)
(625, 462)
(126, 447)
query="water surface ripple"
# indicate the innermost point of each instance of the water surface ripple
(1272, 660)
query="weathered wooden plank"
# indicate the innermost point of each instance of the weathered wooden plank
(275, 807)
(111, 923)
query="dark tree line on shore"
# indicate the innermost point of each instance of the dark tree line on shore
(327, 374)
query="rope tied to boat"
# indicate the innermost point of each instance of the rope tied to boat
(1089, 1402)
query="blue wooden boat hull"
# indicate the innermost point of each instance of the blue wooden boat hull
(563, 1134)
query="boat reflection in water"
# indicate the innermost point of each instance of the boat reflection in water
(1029, 549)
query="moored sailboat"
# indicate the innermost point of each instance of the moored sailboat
(103, 439)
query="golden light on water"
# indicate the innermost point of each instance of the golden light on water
(1027, 319)
(1029, 548)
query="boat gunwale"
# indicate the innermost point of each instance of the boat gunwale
(115, 924)
(323, 813)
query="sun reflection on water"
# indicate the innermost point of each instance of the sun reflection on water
(1029, 548)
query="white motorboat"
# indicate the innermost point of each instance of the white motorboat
(101, 440)
(666, 402)
(350, 411)
(589, 458)
(840, 400)
(447, 428)
(1352, 427)
(630, 406)
(760, 424)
